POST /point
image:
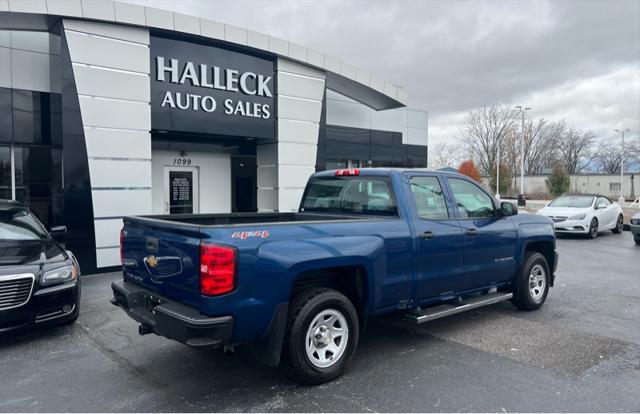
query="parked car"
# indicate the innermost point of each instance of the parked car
(39, 279)
(635, 227)
(364, 242)
(584, 214)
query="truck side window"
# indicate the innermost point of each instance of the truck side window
(429, 199)
(472, 202)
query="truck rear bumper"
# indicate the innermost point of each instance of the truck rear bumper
(169, 318)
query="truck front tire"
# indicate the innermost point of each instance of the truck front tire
(532, 283)
(322, 334)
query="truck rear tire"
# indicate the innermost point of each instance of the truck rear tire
(322, 335)
(532, 282)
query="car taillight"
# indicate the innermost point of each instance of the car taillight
(217, 269)
(122, 246)
(348, 172)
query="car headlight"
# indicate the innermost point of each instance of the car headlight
(61, 274)
(578, 216)
(635, 221)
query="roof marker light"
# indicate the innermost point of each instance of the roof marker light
(347, 172)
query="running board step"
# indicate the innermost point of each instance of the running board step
(441, 311)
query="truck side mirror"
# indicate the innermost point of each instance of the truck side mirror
(508, 209)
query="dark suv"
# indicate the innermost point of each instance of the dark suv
(39, 279)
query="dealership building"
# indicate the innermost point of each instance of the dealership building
(109, 109)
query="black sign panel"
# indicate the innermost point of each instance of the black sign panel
(180, 192)
(204, 89)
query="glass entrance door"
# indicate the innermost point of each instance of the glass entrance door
(181, 190)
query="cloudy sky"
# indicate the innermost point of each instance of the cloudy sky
(577, 60)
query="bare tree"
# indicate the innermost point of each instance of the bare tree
(483, 130)
(446, 154)
(608, 157)
(575, 149)
(541, 144)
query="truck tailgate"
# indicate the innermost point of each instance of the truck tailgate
(163, 257)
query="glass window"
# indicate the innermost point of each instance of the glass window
(429, 199)
(6, 127)
(354, 195)
(27, 117)
(472, 202)
(5, 173)
(573, 201)
(602, 202)
(39, 180)
(19, 224)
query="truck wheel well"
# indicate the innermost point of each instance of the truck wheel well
(350, 280)
(543, 247)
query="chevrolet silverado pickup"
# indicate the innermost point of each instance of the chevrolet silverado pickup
(301, 285)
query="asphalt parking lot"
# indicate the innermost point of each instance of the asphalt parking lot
(580, 352)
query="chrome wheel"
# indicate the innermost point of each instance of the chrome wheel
(537, 282)
(327, 338)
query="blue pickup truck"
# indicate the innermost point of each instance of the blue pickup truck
(364, 242)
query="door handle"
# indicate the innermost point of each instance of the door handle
(427, 235)
(471, 232)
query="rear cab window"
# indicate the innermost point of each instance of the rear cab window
(429, 198)
(370, 195)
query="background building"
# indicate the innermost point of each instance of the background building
(110, 109)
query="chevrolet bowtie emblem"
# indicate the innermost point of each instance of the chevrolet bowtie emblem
(151, 261)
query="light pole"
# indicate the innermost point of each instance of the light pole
(621, 132)
(522, 113)
(498, 171)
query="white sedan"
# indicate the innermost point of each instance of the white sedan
(584, 214)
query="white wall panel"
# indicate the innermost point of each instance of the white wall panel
(267, 200)
(110, 113)
(285, 65)
(235, 34)
(96, 81)
(300, 86)
(159, 18)
(108, 257)
(296, 154)
(119, 203)
(98, 9)
(129, 13)
(112, 173)
(186, 23)
(257, 40)
(267, 154)
(298, 131)
(294, 176)
(110, 53)
(315, 58)
(212, 29)
(108, 232)
(297, 52)
(115, 31)
(300, 109)
(65, 7)
(268, 177)
(109, 143)
(278, 46)
(28, 6)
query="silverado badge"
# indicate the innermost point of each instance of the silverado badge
(151, 261)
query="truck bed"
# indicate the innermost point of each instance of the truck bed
(230, 219)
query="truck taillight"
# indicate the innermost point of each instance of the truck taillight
(347, 172)
(217, 269)
(122, 246)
